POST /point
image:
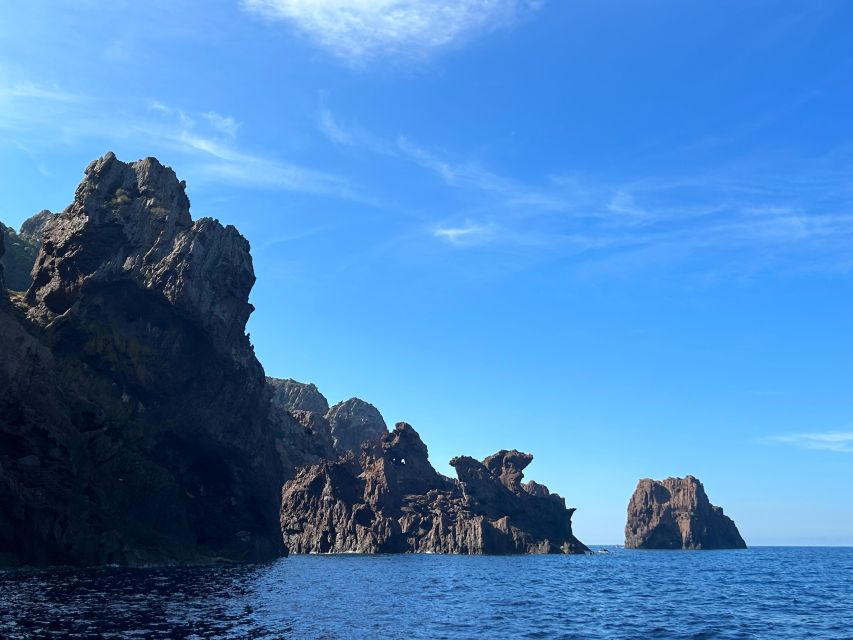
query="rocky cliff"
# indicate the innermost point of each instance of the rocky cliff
(138, 427)
(352, 422)
(387, 498)
(298, 423)
(676, 514)
(134, 416)
(2, 253)
(22, 249)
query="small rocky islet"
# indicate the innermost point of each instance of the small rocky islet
(138, 427)
(676, 514)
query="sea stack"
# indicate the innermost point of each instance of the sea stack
(676, 514)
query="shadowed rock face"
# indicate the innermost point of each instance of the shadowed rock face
(353, 422)
(302, 434)
(389, 499)
(22, 249)
(2, 253)
(134, 416)
(676, 514)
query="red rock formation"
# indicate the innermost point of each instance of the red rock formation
(676, 514)
(389, 499)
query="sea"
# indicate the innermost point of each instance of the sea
(761, 592)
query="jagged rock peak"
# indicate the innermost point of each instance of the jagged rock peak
(676, 514)
(290, 395)
(509, 467)
(33, 226)
(353, 422)
(131, 221)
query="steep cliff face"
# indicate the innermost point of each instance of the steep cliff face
(33, 227)
(2, 253)
(290, 395)
(22, 249)
(676, 514)
(302, 434)
(134, 414)
(389, 499)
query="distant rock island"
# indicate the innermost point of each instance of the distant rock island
(138, 427)
(676, 514)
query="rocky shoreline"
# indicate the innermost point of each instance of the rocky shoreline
(138, 427)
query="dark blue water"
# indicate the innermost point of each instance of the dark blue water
(759, 593)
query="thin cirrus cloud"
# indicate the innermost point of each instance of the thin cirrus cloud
(358, 30)
(34, 116)
(467, 234)
(655, 220)
(841, 442)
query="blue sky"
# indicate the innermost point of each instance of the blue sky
(618, 235)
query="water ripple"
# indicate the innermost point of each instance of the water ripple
(779, 593)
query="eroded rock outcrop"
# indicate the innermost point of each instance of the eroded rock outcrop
(387, 498)
(134, 416)
(296, 417)
(290, 395)
(33, 227)
(676, 514)
(22, 250)
(354, 421)
(2, 252)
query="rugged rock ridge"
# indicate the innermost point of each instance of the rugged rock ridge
(389, 499)
(137, 426)
(134, 416)
(676, 514)
(2, 253)
(33, 227)
(296, 418)
(290, 395)
(22, 250)
(352, 422)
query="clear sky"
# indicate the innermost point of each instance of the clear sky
(618, 235)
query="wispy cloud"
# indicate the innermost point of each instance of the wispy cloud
(33, 116)
(225, 125)
(358, 30)
(467, 234)
(829, 441)
(32, 91)
(624, 204)
(794, 218)
(350, 136)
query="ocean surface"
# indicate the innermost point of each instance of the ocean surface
(769, 592)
